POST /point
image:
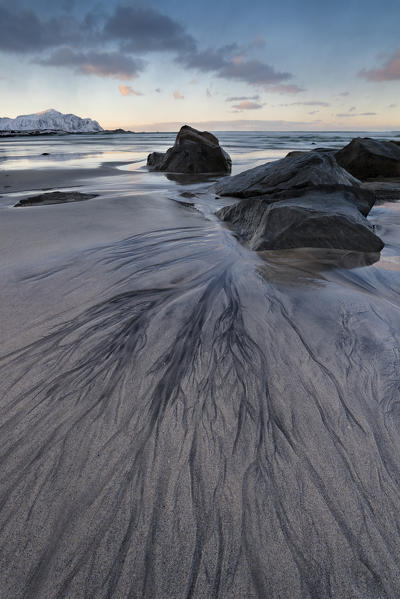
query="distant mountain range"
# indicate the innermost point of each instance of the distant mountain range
(49, 121)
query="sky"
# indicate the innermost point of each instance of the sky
(220, 65)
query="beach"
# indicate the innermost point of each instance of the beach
(181, 416)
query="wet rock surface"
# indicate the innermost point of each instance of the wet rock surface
(55, 197)
(318, 218)
(297, 169)
(194, 152)
(304, 200)
(368, 158)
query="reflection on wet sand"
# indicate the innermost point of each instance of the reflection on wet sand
(309, 265)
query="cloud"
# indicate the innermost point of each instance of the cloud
(158, 90)
(247, 105)
(352, 109)
(240, 98)
(286, 89)
(104, 45)
(344, 94)
(228, 62)
(102, 64)
(208, 93)
(126, 90)
(344, 115)
(177, 95)
(24, 32)
(389, 71)
(193, 82)
(147, 30)
(313, 112)
(253, 72)
(392, 106)
(307, 103)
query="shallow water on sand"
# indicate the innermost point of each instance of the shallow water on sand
(179, 416)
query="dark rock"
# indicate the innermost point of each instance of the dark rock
(55, 197)
(313, 217)
(384, 191)
(296, 170)
(119, 130)
(154, 160)
(362, 198)
(194, 152)
(367, 158)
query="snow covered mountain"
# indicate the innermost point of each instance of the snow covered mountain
(50, 120)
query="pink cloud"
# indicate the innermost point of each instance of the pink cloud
(237, 60)
(247, 105)
(177, 95)
(389, 71)
(126, 90)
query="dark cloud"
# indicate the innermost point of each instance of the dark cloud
(102, 64)
(389, 71)
(24, 32)
(89, 45)
(344, 94)
(253, 72)
(147, 30)
(240, 98)
(228, 62)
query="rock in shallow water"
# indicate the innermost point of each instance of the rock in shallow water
(55, 197)
(304, 200)
(194, 152)
(368, 158)
(297, 169)
(315, 218)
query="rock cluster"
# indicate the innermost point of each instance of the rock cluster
(303, 200)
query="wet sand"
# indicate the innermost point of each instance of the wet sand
(181, 417)
(45, 179)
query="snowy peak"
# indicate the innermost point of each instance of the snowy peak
(50, 120)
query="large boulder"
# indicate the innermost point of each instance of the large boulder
(315, 217)
(194, 152)
(368, 158)
(296, 170)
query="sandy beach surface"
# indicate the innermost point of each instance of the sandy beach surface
(179, 416)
